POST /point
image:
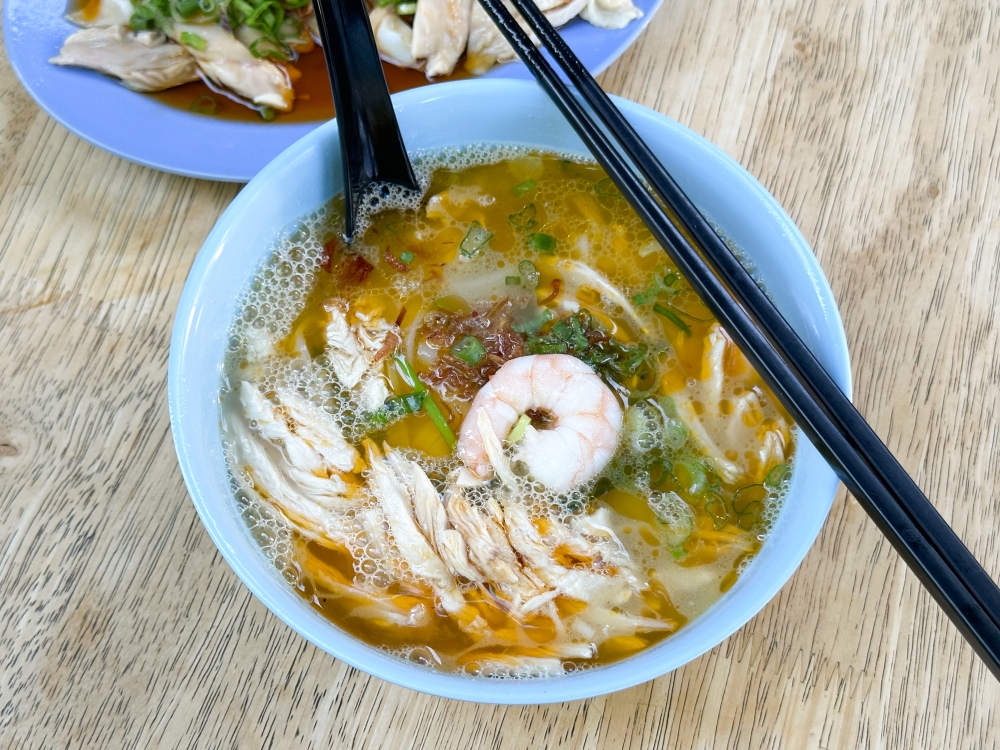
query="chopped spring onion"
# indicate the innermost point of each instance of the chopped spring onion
(194, 41)
(543, 243)
(407, 257)
(670, 279)
(776, 476)
(607, 187)
(267, 113)
(408, 374)
(715, 506)
(539, 346)
(529, 273)
(512, 280)
(517, 431)
(670, 315)
(534, 324)
(525, 218)
(525, 187)
(470, 350)
(475, 240)
(205, 105)
(406, 9)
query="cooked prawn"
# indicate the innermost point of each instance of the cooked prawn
(585, 421)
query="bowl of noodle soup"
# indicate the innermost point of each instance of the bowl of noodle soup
(394, 446)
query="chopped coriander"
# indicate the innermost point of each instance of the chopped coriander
(394, 409)
(475, 240)
(525, 218)
(525, 187)
(470, 350)
(543, 243)
(194, 41)
(407, 257)
(670, 315)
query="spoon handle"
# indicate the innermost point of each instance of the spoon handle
(371, 147)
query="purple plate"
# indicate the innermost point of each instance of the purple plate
(143, 130)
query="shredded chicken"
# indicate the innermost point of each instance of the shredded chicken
(413, 546)
(741, 426)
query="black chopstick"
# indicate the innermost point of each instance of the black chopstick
(902, 512)
(766, 316)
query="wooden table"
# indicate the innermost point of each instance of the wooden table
(874, 123)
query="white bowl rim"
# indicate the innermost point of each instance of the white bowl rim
(627, 673)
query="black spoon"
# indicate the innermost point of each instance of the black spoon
(371, 146)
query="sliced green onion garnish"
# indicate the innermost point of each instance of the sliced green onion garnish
(407, 257)
(470, 350)
(525, 187)
(512, 280)
(525, 218)
(517, 431)
(406, 9)
(475, 240)
(543, 243)
(267, 113)
(533, 325)
(670, 279)
(529, 273)
(540, 346)
(205, 105)
(639, 299)
(193, 40)
(186, 9)
(776, 475)
(607, 187)
(670, 315)
(410, 376)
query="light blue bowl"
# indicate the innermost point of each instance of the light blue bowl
(307, 174)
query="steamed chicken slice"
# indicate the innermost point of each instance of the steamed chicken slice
(440, 33)
(487, 46)
(142, 61)
(393, 37)
(227, 61)
(610, 14)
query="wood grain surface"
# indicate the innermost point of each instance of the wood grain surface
(874, 123)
